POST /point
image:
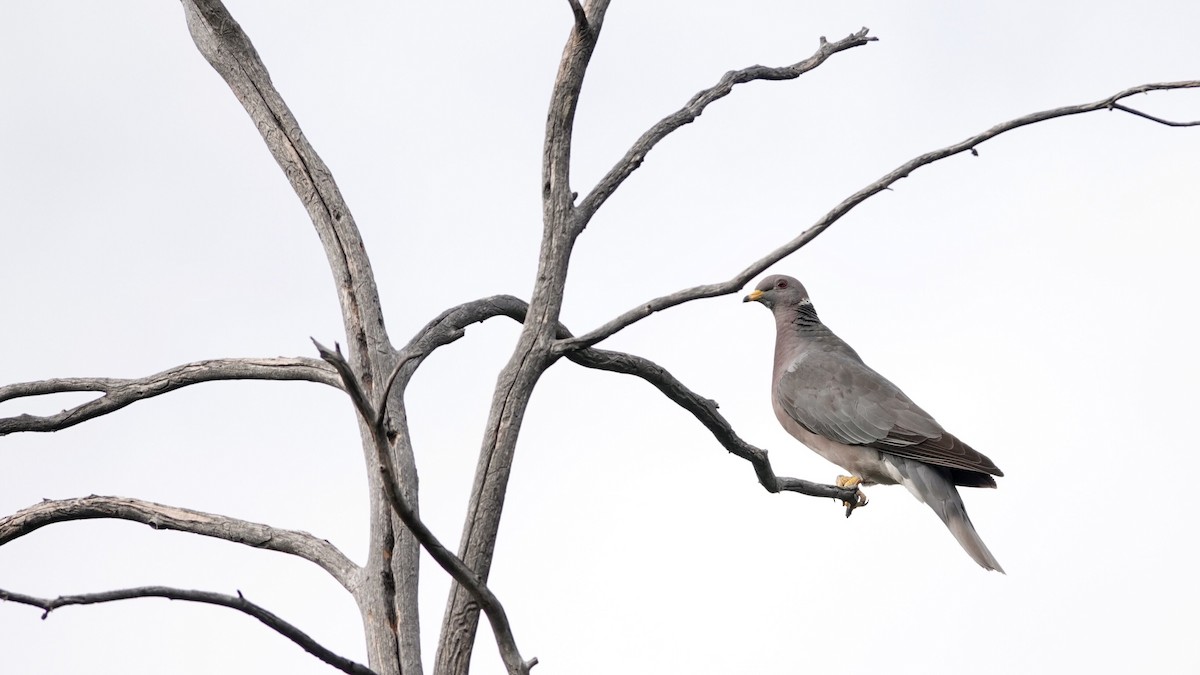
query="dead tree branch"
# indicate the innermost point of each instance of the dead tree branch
(118, 393)
(394, 641)
(443, 556)
(229, 50)
(532, 354)
(705, 410)
(162, 517)
(735, 284)
(687, 114)
(238, 602)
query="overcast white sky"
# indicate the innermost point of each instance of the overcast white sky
(1038, 300)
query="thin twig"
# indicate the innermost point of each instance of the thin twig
(238, 602)
(687, 114)
(1152, 118)
(442, 555)
(162, 517)
(735, 284)
(118, 392)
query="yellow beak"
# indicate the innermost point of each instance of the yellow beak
(753, 297)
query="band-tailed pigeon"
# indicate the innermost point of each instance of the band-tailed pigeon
(826, 397)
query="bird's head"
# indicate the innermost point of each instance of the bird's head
(778, 290)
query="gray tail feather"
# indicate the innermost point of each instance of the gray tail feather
(962, 529)
(931, 487)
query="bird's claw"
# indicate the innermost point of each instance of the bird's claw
(860, 498)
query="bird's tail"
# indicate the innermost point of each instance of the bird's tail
(929, 485)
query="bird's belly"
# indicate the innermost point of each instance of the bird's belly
(861, 461)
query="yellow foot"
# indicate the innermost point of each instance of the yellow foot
(860, 497)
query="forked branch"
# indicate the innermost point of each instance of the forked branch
(581, 20)
(453, 565)
(118, 393)
(238, 602)
(531, 355)
(162, 517)
(735, 284)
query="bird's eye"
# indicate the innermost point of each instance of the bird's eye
(782, 283)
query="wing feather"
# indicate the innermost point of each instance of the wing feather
(831, 392)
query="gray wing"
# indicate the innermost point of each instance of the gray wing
(831, 392)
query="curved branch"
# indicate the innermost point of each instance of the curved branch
(705, 410)
(238, 602)
(1152, 118)
(162, 517)
(447, 327)
(118, 393)
(745, 276)
(453, 565)
(687, 114)
(229, 50)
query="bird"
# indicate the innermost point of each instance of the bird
(828, 399)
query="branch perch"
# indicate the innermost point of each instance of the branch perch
(118, 393)
(162, 517)
(705, 410)
(442, 555)
(735, 284)
(449, 326)
(238, 602)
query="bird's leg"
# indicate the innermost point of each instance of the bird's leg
(860, 496)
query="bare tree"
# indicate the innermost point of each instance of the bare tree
(374, 372)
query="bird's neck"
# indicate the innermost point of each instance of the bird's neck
(797, 329)
(800, 319)
(799, 334)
